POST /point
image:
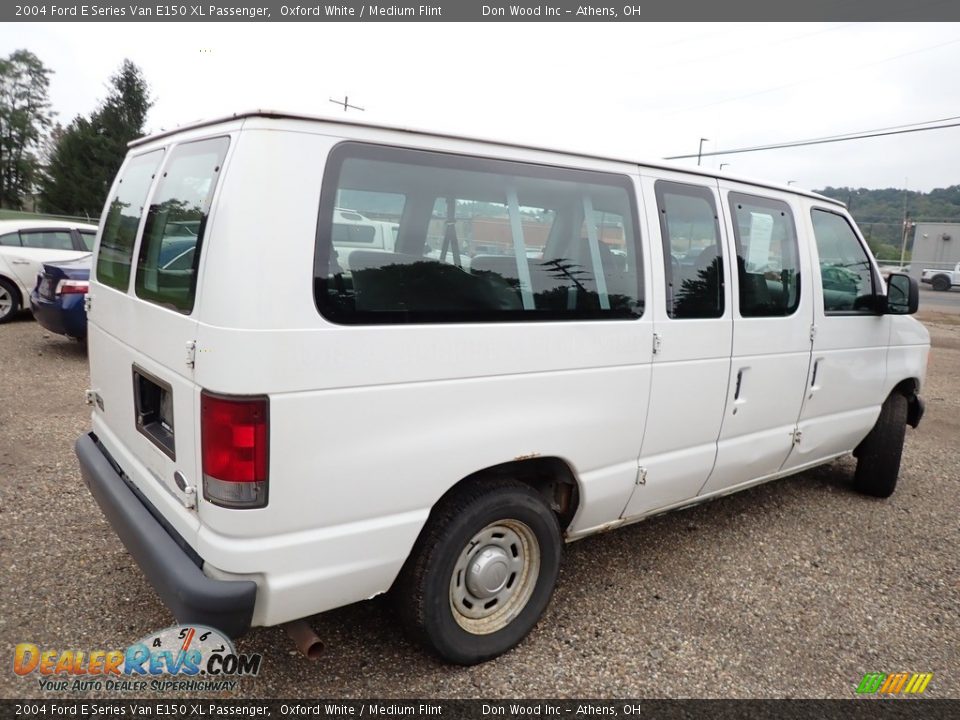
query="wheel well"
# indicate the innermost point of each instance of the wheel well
(550, 476)
(16, 289)
(908, 388)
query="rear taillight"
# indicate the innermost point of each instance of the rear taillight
(234, 442)
(72, 287)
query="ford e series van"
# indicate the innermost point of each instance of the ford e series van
(386, 360)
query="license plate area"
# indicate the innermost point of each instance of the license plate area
(153, 410)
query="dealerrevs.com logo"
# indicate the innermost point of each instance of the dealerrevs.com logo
(183, 657)
(894, 683)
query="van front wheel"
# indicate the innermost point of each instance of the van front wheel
(878, 456)
(482, 571)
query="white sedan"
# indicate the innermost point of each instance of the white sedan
(25, 245)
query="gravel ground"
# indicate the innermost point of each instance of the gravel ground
(793, 589)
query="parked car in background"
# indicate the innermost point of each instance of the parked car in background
(57, 300)
(25, 245)
(941, 279)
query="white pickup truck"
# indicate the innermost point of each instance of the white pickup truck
(941, 279)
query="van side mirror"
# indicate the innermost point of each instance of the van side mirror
(903, 295)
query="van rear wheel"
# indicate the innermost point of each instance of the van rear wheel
(878, 456)
(481, 573)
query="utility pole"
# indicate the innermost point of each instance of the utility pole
(700, 151)
(903, 239)
(346, 104)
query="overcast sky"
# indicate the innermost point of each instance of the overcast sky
(636, 90)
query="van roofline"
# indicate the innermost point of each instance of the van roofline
(659, 164)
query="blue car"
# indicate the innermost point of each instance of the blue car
(57, 300)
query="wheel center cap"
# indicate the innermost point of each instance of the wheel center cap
(487, 572)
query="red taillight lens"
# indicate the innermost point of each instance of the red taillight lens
(234, 443)
(72, 287)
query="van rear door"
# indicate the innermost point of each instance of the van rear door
(142, 324)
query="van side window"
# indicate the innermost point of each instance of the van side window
(692, 250)
(173, 233)
(464, 239)
(123, 218)
(768, 258)
(845, 270)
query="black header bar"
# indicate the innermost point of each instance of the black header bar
(487, 11)
(200, 709)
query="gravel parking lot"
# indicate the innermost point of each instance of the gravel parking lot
(793, 589)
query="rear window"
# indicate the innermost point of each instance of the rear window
(434, 237)
(47, 239)
(173, 233)
(123, 218)
(88, 238)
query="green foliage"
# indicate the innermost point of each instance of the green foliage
(880, 213)
(24, 117)
(88, 152)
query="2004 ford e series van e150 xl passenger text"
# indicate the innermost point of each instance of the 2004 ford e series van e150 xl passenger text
(330, 360)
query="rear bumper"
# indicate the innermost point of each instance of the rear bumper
(64, 317)
(189, 594)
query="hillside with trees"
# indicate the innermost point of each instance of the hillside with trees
(880, 213)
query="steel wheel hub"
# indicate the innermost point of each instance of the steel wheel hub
(488, 572)
(494, 576)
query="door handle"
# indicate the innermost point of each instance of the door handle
(736, 392)
(813, 378)
(19, 262)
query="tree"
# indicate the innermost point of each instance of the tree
(24, 117)
(90, 151)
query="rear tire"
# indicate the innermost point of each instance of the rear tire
(9, 301)
(482, 572)
(941, 283)
(878, 456)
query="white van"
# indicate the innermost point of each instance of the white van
(553, 345)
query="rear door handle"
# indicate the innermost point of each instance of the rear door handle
(813, 378)
(736, 392)
(19, 262)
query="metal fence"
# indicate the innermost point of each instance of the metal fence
(24, 215)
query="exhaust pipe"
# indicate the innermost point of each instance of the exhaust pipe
(306, 640)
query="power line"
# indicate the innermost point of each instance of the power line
(814, 141)
(889, 127)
